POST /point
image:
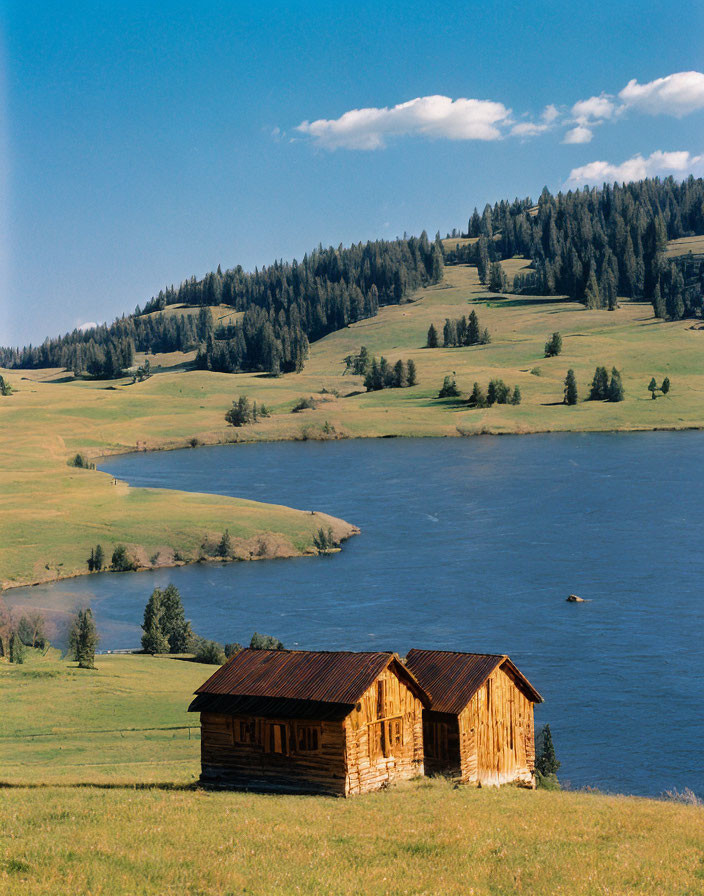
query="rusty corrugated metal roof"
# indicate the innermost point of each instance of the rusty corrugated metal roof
(452, 679)
(324, 677)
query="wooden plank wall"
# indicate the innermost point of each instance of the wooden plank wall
(496, 734)
(401, 712)
(252, 765)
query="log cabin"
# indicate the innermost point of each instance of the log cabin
(479, 726)
(310, 722)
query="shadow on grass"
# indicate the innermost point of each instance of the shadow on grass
(495, 302)
(87, 785)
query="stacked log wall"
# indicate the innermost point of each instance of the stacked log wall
(367, 766)
(226, 761)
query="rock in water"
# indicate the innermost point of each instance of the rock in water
(573, 599)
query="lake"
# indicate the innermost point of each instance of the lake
(473, 544)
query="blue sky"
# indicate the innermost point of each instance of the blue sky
(141, 143)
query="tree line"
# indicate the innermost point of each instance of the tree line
(596, 244)
(286, 306)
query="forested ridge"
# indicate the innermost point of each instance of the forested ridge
(592, 245)
(596, 244)
(286, 306)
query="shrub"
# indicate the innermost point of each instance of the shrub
(449, 388)
(209, 652)
(232, 649)
(240, 414)
(81, 461)
(121, 560)
(324, 540)
(477, 399)
(225, 546)
(265, 642)
(303, 404)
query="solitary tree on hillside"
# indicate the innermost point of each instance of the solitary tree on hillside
(553, 346)
(432, 337)
(83, 639)
(652, 387)
(516, 397)
(547, 762)
(570, 388)
(665, 388)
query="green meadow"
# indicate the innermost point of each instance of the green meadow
(51, 514)
(99, 796)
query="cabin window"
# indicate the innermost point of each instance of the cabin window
(278, 741)
(307, 738)
(246, 731)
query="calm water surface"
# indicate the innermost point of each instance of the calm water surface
(474, 545)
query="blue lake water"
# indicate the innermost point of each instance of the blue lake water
(474, 544)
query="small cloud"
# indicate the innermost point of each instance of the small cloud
(595, 109)
(427, 116)
(88, 325)
(550, 114)
(277, 134)
(677, 94)
(638, 167)
(580, 134)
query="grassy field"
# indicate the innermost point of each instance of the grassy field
(51, 514)
(113, 810)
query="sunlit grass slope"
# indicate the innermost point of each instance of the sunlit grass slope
(64, 836)
(51, 514)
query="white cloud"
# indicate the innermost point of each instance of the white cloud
(550, 114)
(427, 116)
(657, 163)
(533, 128)
(677, 94)
(89, 325)
(595, 109)
(580, 134)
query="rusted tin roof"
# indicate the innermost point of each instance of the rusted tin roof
(323, 677)
(452, 679)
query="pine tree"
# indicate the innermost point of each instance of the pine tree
(516, 397)
(449, 388)
(498, 282)
(410, 372)
(615, 392)
(570, 388)
(547, 762)
(154, 639)
(553, 346)
(473, 329)
(432, 337)
(591, 293)
(83, 639)
(665, 388)
(652, 387)
(600, 385)
(91, 561)
(477, 399)
(659, 305)
(225, 546)
(98, 558)
(173, 621)
(17, 649)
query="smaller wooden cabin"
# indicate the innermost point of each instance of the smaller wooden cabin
(479, 726)
(310, 722)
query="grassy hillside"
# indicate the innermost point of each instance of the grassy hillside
(51, 514)
(425, 837)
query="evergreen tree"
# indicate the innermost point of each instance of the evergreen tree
(477, 399)
(570, 388)
(516, 397)
(600, 385)
(432, 337)
(83, 639)
(547, 762)
(473, 329)
(652, 387)
(91, 561)
(449, 388)
(399, 375)
(553, 346)
(498, 282)
(98, 558)
(483, 259)
(225, 546)
(665, 388)
(17, 649)
(410, 372)
(592, 298)
(615, 392)
(154, 639)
